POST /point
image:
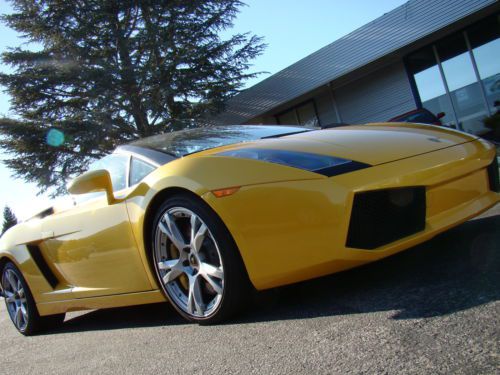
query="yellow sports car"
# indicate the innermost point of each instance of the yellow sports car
(198, 217)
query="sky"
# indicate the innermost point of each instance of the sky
(292, 29)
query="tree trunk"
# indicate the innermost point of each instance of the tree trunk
(129, 81)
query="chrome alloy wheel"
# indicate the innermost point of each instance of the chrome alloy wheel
(15, 298)
(188, 261)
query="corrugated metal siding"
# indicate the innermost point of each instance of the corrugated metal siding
(376, 97)
(394, 30)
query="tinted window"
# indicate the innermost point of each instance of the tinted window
(307, 115)
(289, 117)
(485, 40)
(139, 169)
(116, 165)
(304, 114)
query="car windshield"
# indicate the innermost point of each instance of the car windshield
(181, 143)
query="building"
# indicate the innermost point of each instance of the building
(443, 55)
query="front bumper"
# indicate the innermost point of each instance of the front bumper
(297, 230)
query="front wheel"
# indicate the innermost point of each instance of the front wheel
(196, 260)
(21, 305)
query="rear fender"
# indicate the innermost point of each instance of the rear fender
(22, 259)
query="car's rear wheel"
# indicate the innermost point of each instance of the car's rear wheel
(21, 305)
(196, 260)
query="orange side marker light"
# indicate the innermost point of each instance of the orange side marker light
(225, 192)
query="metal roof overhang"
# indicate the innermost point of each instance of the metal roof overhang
(391, 36)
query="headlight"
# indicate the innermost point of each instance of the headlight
(322, 164)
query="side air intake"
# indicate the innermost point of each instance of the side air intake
(383, 216)
(42, 265)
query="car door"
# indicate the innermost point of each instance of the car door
(92, 245)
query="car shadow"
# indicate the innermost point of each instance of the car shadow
(142, 316)
(455, 271)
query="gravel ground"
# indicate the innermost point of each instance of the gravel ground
(432, 309)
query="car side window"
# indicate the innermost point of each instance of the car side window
(139, 169)
(116, 165)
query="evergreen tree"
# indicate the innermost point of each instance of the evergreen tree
(111, 71)
(9, 219)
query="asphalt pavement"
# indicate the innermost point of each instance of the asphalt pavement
(433, 309)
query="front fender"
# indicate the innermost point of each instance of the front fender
(200, 175)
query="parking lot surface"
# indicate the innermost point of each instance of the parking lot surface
(431, 309)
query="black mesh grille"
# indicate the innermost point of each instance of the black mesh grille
(380, 217)
(493, 176)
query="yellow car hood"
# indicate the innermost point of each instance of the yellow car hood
(371, 144)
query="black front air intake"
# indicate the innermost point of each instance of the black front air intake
(493, 176)
(383, 216)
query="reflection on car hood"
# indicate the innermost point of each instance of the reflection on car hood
(371, 144)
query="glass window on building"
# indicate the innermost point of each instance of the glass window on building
(307, 115)
(460, 75)
(465, 90)
(430, 86)
(288, 118)
(485, 43)
(304, 114)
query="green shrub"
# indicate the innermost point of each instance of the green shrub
(493, 123)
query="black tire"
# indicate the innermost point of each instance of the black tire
(234, 282)
(30, 323)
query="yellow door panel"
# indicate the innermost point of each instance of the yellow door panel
(93, 248)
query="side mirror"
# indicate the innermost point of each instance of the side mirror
(440, 115)
(91, 182)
